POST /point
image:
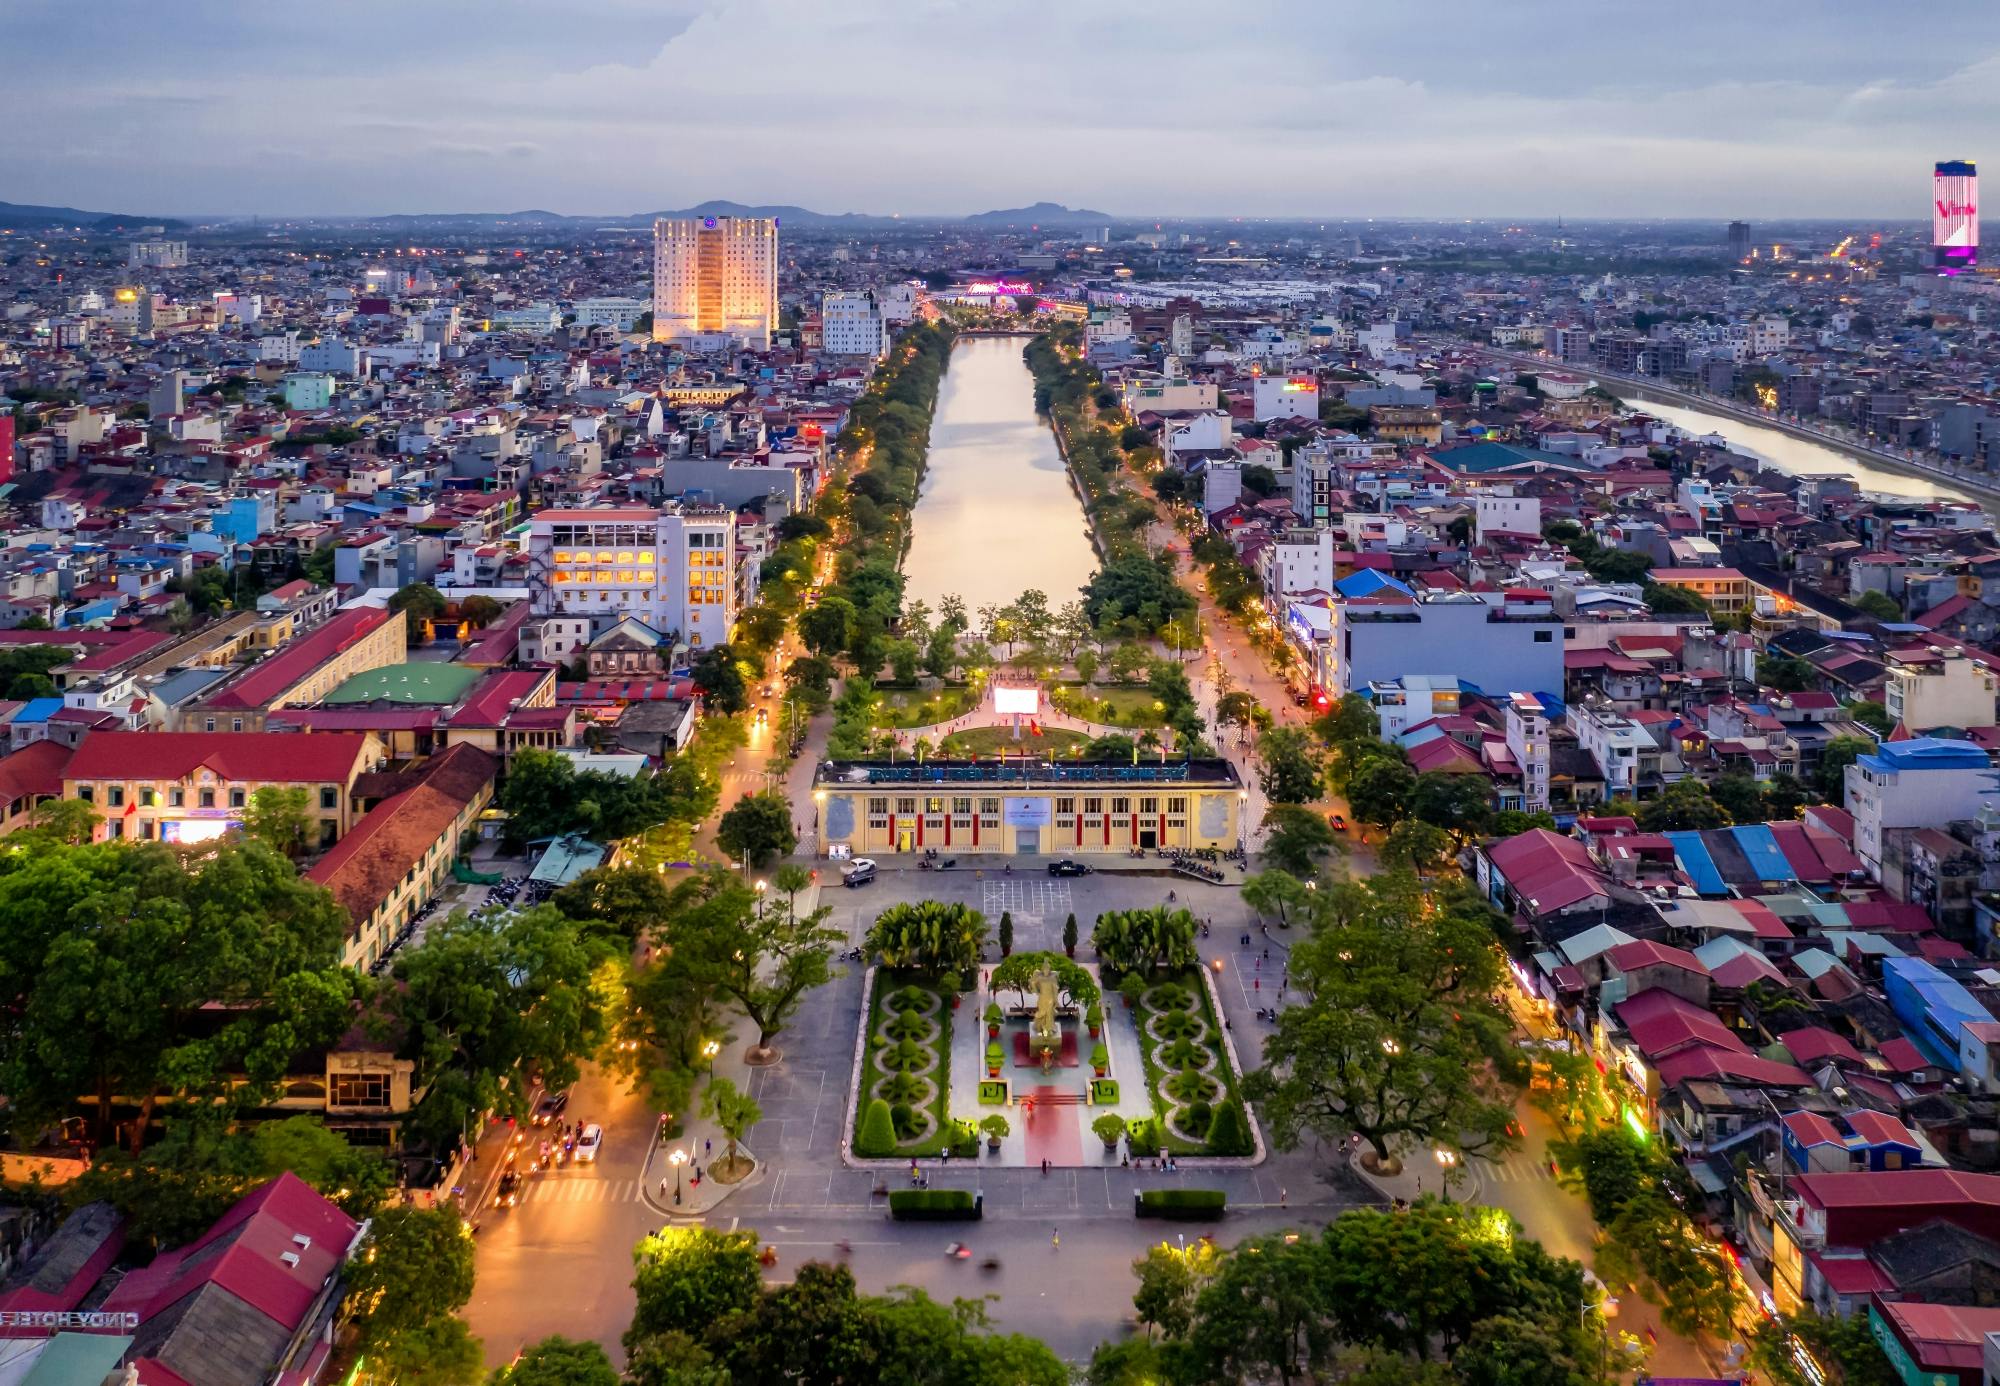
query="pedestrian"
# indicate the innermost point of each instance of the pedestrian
(707, 1148)
(1055, 1239)
(1281, 1198)
(1266, 957)
(663, 1187)
(1256, 984)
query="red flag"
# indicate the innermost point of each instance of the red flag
(130, 809)
(1035, 727)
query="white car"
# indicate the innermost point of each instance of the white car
(588, 1144)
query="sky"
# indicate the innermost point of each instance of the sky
(1139, 108)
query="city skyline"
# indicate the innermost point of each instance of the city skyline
(946, 109)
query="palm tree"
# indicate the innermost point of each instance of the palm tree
(929, 937)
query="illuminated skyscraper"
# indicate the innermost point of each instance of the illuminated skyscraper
(715, 278)
(1955, 216)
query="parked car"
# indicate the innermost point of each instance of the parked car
(587, 1144)
(1067, 867)
(859, 872)
(550, 1106)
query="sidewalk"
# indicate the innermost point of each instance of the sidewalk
(701, 1142)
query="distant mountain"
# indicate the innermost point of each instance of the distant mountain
(21, 216)
(1041, 214)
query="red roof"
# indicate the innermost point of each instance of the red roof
(1815, 1043)
(34, 770)
(1879, 1128)
(1945, 1338)
(1810, 1128)
(496, 695)
(1647, 953)
(1550, 871)
(274, 757)
(1903, 1056)
(290, 665)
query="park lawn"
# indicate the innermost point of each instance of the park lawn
(1119, 705)
(903, 706)
(888, 983)
(992, 741)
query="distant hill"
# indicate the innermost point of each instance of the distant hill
(21, 216)
(1041, 214)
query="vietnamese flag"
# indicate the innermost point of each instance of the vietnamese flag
(1035, 727)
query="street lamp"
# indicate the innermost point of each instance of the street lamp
(709, 1051)
(677, 1158)
(760, 888)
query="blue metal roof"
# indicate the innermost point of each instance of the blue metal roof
(1693, 856)
(1926, 753)
(1766, 858)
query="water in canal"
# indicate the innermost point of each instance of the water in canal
(1794, 455)
(996, 515)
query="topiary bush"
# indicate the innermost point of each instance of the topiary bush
(904, 1117)
(1143, 1138)
(1190, 1085)
(910, 998)
(907, 1055)
(1182, 1053)
(877, 1135)
(908, 1025)
(1195, 1205)
(1178, 1025)
(1169, 996)
(902, 1088)
(1229, 1131)
(1197, 1116)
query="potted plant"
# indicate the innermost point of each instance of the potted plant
(1132, 986)
(1100, 1058)
(993, 1056)
(1093, 1016)
(996, 1129)
(994, 1015)
(1109, 1128)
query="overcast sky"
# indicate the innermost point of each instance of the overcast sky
(1135, 107)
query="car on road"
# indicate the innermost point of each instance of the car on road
(551, 1105)
(1337, 822)
(1068, 867)
(588, 1143)
(509, 1192)
(859, 872)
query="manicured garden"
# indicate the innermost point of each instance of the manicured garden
(993, 741)
(905, 1072)
(1194, 1089)
(1115, 706)
(906, 705)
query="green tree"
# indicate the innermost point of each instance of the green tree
(422, 603)
(1379, 789)
(1873, 716)
(690, 1279)
(765, 959)
(479, 612)
(1879, 605)
(558, 1361)
(1350, 722)
(1169, 1280)
(624, 900)
(876, 1135)
(1834, 758)
(1006, 932)
(1264, 1316)
(1739, 796)
(1682, 806)
(1416, 844)
(732, 1109)
(1289, 767)
(827, 628)
(929, 937)
(412, 1273)
(480, 1002)
(1455, 803)
(71, 822)
(1401, 1040)
(1145, 940)
(1138, 595)
(718, 677)
(1842, 1341)
(237, 961)
(756, 828)
(1296, 839)
(1786, 674)
(1672, 601)
(281, 818)
(1069, 935)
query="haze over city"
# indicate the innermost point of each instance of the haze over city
(1141, 108)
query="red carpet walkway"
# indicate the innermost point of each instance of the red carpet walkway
(1053, 1133)
(1065, 1057)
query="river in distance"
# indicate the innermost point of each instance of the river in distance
(1794, 455)
(996, 514)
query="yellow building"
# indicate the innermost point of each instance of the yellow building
(1406, 423)
(1724, 589)
(306, 670)
(874, 808)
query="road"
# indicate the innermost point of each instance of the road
(560, 1260)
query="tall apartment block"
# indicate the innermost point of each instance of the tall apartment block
(715, 279)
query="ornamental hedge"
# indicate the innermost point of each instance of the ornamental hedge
(933, 1205)
(1187, 1205)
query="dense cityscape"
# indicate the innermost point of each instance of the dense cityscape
(755, 793)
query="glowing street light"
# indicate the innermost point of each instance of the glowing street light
(677, 1158)
(709, 1051)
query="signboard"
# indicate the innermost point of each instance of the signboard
(53, 1319)
(1029, 811)
(1955, 215)
(1017, 701)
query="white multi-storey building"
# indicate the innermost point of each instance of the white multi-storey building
(851, 324)
(157, 254)
(715, 278)
(671, 568)
(616, 313)
(1288, 396)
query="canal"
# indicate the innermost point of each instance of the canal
(1787, 453)
(996, 514)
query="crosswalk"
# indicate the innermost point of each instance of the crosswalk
(560, 1190)
(1517, 1168)
(1030, 900)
